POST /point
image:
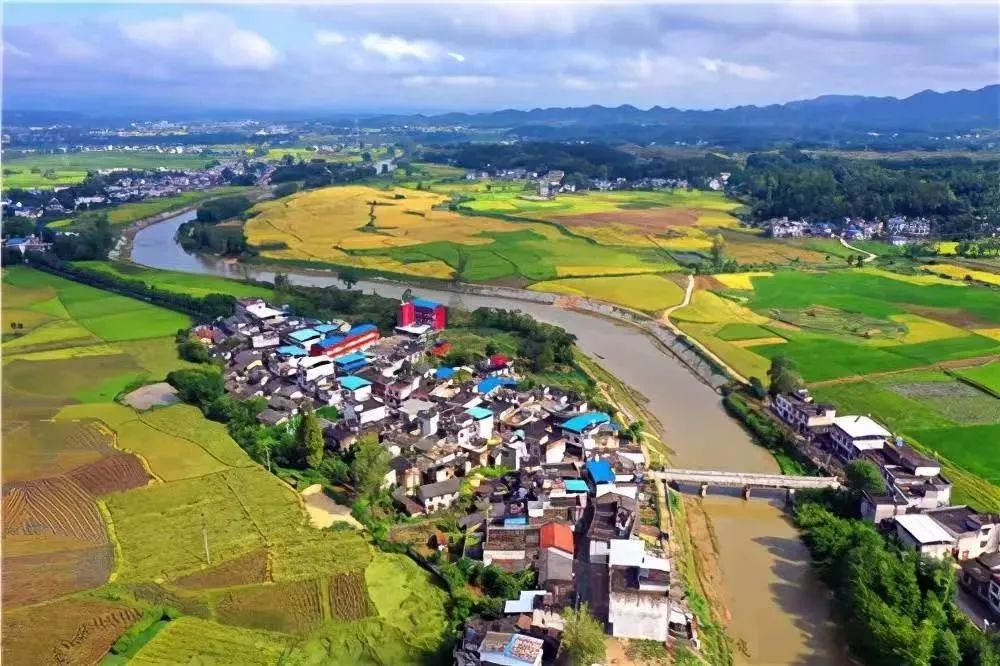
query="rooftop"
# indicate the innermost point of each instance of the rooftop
(425, 303)
(585, 421)
(924, 529)
(556, 535)
(352, 383)
(600, 471)
(510, 649)
(479, 413)
(860, 426)
(491, 383)
(304, 334)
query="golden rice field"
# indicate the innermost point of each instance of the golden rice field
(741, 281)
(959, 273)
(649, 293)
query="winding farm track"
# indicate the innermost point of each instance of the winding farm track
(664, 319)
(869, 257)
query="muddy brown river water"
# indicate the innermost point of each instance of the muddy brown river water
(779, 610)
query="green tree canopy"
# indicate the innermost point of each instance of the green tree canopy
(784, 378)
(864, 476)
(583, 637)
(371, 464)
(309, 438)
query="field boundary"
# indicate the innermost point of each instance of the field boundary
(109, 525)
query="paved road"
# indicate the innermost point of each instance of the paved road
(870, 257)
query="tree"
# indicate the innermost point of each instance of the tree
(491, 348)
(636, 430)
(191, 349)
(309, 438)
(371, 464)
(718, 250)
(197, 386)
(757, 388)
(784, 378)
(864, 476)
(583, 637)
(349, 276)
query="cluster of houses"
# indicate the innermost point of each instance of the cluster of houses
(916, 506)
(554, 182)
(568, 504)
(151, 184)
(896, 230)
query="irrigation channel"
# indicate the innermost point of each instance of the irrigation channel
(778, 610)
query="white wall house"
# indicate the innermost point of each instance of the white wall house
(853, 435)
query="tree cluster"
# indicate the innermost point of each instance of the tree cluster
(320, 173)
(223, 208)
(541, 345)
(897, 608)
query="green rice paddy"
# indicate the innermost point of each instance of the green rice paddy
(52, 170)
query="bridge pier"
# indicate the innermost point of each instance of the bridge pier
(746, 492)
(790, 497)
(703, 490)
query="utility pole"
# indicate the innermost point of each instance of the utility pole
(204, 535)
(267, 453)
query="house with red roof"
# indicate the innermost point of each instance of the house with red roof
(556, 535)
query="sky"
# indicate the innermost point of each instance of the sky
(469, 56)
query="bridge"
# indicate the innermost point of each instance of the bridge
(745, 480)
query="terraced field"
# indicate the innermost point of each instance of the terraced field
(96, 491)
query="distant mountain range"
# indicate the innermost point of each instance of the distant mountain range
(926, 111)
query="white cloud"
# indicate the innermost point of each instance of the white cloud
(396, 48)
(456, 56)
(422, 80)
(329, 38)
(205, 35)
(577, 83)
(10, 49)
(736, 69)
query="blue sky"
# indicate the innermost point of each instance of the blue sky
(485, 56)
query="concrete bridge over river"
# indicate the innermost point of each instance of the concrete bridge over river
(744, 480)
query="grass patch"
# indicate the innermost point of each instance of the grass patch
(985, 377)
(46, 171)
(179, 283)
(741, 331)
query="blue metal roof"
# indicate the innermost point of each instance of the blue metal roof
(600, 471)
(582, 422)
(479, 413)
(326, 328)
(425, 303)
(576, 485)
(304, 334)
(17, 241)
(352, 383)
(444, 373)
(330, 341)
(292, 350)
(492, 383)
(362, 328)
(348, 359)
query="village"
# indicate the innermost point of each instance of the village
(897, 230)
(567, 503)
(915, 506)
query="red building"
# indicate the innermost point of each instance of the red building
(423, 312)
(357, 339)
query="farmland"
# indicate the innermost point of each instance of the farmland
(908, 349)
(649, 293)
(414, 233)
(182, 283)
(52, 170)
(113, 504)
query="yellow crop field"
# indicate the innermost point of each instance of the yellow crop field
(922, 329)
(639, 292)
(741, 281)
(709, 308)
(959, 273)
(321, 224)
(988, 332)
(947, 247)
(918, 279)
(583, 271)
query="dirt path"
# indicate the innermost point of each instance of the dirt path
(870, 257)
(664, 319)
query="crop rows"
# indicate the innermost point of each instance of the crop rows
(56, 506)
(349, 596)
(117, 472)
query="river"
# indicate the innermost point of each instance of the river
(778, 607)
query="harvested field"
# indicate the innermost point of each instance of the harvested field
(188, 640)
(349, 597)
(45, 574)
(244, 570)
(111, 474)
(407, 598)
(76, 631)
(155, 594)
(151, 395)
(291, 608)
(52, 507)
(33, 449)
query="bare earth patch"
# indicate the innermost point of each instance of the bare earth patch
(323, 511)
(151, 395)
